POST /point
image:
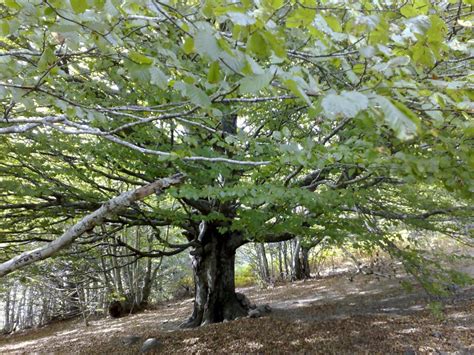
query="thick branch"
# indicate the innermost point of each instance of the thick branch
(87, 223)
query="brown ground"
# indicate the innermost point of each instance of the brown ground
(328, 315)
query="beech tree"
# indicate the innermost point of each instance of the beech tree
(233, 122)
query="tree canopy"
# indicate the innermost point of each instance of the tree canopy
(344, 120)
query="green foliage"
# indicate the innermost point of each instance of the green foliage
(437, 309)
(352, 121)
(348, 104)
(245, 277)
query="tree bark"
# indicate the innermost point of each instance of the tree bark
(280, 261)
(6, 327)
(213, 264)
(263, 261)
(301, 269)
(285, 258)
(88, 223)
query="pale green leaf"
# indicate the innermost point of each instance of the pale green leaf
(347, 104)
(206, 44)
(398, 117)
(297, 90)
(158, 78)
(255, 83)
(196, 95)
(241, 19)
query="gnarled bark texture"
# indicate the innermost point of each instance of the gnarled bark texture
(213, 264)
(301, 268)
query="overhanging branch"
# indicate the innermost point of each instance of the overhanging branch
(89, 222)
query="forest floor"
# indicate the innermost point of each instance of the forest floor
(331, 314)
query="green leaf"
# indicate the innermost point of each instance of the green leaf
(206, 45)
(414, 8)
(398, 117)
(139, 58)
(301, 17)
(196, 95)
(255, 83)
(333, 23)
(347, 104)
(79, 6)
(241, 19)
(295, 89)
(213, 74)
(422, 54)
(4, 28)
(257, 44)
(188, 45)
(46, 59)
(12, 4)
(158, 78)
(275, 4)
(437, 30)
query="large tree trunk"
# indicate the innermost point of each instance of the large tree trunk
(213, 264)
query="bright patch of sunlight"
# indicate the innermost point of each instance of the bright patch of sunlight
(409, 331)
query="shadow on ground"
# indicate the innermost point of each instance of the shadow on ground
(328, 315)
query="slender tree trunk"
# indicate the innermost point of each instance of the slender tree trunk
(117, 272)
(295, 265)
(148, 281)
(265, 272)
(7, 324)
(280, 260)
(285, 258)
(29, 309)
(105, 272)
(213, 264)
(272, 266)
(13, 313)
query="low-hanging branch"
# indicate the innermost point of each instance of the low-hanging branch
(82, 129)
(88, 223)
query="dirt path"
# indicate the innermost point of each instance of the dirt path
(325, 315)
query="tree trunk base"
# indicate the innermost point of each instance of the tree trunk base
(215, 299)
